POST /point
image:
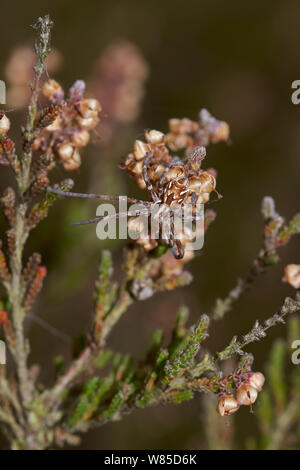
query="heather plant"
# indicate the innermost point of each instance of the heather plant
(101, 385)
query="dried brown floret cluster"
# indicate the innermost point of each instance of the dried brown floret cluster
(170, 180)
(66, 123)
(248, 387)
(186, 134)
(119, 76)
(292, 275)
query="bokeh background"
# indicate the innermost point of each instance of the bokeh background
(238, 60)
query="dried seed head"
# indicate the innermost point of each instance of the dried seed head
(179, 141)
(292, 275)
(246, 394)
(66, 151)
(119, 79)
(256, 380)
(4, 124)
(208, 182)
(203, 198)
(195, 184)
(210, 129)
(221, 132)
(81, 138)
(73, 163)
(186, 126)
(174, 172)
(227, 405)
(140, 182)
(147, 243)
(154, 137)
(52, 90)
(174, 125)
(89, 108)
(39, 143)
(156, 171)
(88, 123)
(140, 149)
(55, 125)
(135, 168)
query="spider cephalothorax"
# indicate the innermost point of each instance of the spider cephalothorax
(172, 183)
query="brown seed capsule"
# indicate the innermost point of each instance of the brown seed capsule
(88, 123)
(66, 151)
(81, 138)
(154, 137)
(135, 168)
(174, 125)
(186, 126)
(140, 182)
(52, 90)
(156, 171)
(55, 125)
(227, 405)
(140, 149)
(39, 143)
(73, 163)
(246, 394)
(208, 182)
(221, 132)
(204, 198)
(292, 275)
(129, 159)
(178, 141)
(4, 124)
(174, 172)
(256, 380)
(147, 243)
(195, 184)
(89, 108)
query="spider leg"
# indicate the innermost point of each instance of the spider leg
(194, 205)
(194, 199)
(169, 239)
(104, 197)
(148, 183)
(162, 180)
(111, 217)
(172, 230)
(174, 244)
(178, 250)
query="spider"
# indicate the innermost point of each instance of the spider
(161, 200)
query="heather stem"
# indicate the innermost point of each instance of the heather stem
(42, 49)
(16, 299)
(20, 229)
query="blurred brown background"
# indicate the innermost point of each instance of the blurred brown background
(237, 59)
